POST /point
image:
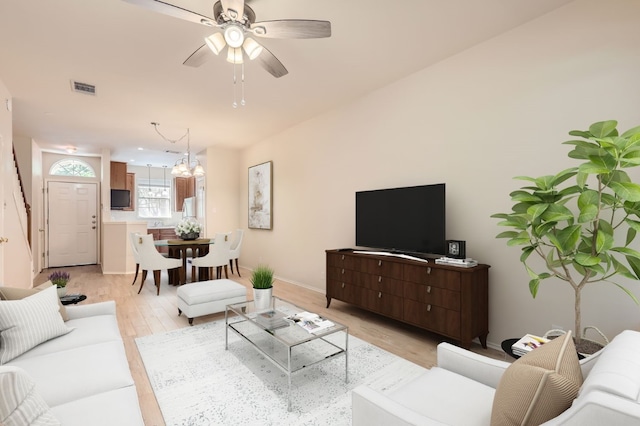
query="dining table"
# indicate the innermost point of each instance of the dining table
(179, 249)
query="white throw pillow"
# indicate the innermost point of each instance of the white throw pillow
(28, 322)
(20, 404)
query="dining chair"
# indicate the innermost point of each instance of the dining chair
(217, 257)
(152, 260)
(236, 245)
(134, 249)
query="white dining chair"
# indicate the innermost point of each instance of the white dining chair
(136, 255)
(217, 257)
(152, 260)
(234, 253)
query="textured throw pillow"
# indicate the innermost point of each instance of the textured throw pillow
(20, 404)
(14, 293)
(539, 386)
(26, 323)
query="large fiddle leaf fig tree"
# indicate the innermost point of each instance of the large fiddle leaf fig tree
(582, 221)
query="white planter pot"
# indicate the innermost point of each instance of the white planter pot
(61, 291)
(262, 298)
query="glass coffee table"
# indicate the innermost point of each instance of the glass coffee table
(285, 343)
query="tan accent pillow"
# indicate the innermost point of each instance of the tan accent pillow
(14, 293)
(539, 386)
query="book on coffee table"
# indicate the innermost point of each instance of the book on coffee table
(272, 319)
(311, 322)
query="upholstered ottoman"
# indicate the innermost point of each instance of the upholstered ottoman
(208, 297)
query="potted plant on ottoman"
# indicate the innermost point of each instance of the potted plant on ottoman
(60, 279)
(262, 282)
(582, 221)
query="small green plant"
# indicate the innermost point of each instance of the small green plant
(262, 277)
(59, 278)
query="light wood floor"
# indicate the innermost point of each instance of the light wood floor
(145, 313)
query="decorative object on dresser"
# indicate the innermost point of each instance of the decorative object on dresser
(262, 282)
(443, 299)
(582, 221)
(456, 249)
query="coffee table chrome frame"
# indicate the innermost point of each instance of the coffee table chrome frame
(288, 370)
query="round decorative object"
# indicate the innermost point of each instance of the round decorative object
(190, 236)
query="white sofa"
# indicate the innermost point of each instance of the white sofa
(84, 376)
(460, 390)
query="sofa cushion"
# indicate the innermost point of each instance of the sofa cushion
(26, 323)
(14, 293)
(439, 395)
(117, 407)
(86, 331)
(20, 404)
(539, 386)
(69, 375)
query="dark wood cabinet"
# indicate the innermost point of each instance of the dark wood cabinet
(118, 175)
(443, 299)
(185, 188)
(130, 184)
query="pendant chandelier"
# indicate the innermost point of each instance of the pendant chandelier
(184, 166)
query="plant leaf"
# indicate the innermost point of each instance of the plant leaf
(602, 129)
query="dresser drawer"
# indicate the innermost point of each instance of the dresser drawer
(433, 318)
(429, 275)
(429, 294)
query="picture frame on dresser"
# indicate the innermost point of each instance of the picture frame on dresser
(261, 196)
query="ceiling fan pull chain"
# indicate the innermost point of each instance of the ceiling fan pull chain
(235, 104)
(242, 102)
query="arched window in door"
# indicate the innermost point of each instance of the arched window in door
(72, 167)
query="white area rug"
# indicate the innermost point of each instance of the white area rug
(197, 382)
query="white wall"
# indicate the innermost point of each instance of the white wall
(473, 121)
(15, 254)
(222, 188)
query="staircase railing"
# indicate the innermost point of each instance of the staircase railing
(21, 200)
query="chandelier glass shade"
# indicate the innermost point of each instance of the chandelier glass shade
(184, 166)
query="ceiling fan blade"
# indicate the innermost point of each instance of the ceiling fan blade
(292, 28)
(269, 62)
(199, 57)
(174, 11)
(234, 9)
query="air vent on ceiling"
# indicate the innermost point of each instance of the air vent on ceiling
(168, 151)
(88, 89)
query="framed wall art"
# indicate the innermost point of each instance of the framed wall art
(261, 196)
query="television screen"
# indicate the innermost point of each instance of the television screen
(410, 219)
(119, 199)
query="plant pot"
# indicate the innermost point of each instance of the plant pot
(262, 298)
(190, 236)
(61, 291)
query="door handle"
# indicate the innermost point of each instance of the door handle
(3, 240)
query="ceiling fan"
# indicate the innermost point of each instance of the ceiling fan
(235, 22)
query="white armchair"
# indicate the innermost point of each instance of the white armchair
(461, 389)
(151, 260)
(217, 257)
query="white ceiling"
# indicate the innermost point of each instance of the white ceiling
(134, 56)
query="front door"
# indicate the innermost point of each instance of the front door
(72, 223)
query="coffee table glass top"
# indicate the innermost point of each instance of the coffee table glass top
(277, 342)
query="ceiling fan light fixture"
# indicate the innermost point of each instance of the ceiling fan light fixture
(234, 35)
(215, 42)
(234, 56)
(252, 47)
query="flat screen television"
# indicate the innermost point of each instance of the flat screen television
(119, 199)
(406, 220)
